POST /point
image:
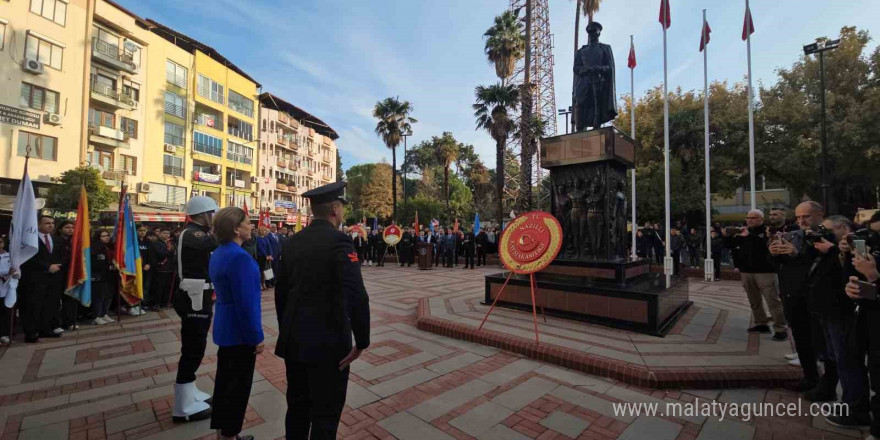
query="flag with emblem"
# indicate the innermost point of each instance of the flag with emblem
(23, 238)
(128, 254)
(79, 277)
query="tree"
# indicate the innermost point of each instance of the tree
(492, 110)
(446, 151)
(370, 191)
(394, 119)
(505, 44)
(65, 195)
(529, 131)
(339, 173)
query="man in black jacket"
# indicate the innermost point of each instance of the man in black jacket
(482, 242)
(42, 285)
(404, 254)
(758, 275)
(321, 301)
(468, 244)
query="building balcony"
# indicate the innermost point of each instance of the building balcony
(170, 170)
(291, 165)
(175, 110)
(209, 120)
(311, 152)
(211, 150)
(211, 95)
(108, 95)
(291, 188)
(311, 172)
(240, 158)
(282, 188)
(281, 163)
(107, 136)
(111, 55)
(326, 159)
(287, 121)
(327, 176)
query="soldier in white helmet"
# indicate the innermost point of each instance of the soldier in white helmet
(194, 303)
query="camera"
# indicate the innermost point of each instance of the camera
(811, 237)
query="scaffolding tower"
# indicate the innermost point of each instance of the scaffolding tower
(543, 94)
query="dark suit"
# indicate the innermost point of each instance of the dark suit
(41, 292)
(320, 300)
(469, 247)
(482, 241)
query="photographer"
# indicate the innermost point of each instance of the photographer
(863, 288)
(758, 274)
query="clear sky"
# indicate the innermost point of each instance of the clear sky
(336, 58)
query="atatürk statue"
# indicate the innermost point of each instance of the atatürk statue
(594, 94)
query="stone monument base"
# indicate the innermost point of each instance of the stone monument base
(642, 303)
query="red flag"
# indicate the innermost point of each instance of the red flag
(416, 222)
(748, 24)
(665, 16)
(246, 210)
(631, 63)
(704, 38)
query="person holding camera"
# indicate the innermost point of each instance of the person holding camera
(758, 275)
(861, 262)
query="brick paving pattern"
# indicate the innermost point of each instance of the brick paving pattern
(116, 382)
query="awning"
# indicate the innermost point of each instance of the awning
(169, 217)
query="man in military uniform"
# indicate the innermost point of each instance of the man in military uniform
(194, 303)
(321, 301)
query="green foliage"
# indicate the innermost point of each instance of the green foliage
(339, 172)
(505, 43)
(65, 195)
(394, 120)
(369, 189)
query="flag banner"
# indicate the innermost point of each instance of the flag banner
(704, 37)
(246, 210)
(265, 219)
(128, 255)
(748, 24)
(416, 223)
(23, 243)
(665, 15)
(477, 223)
(631, 62)
(79, 277)
(455, 228)
(375, 223)
(298, 226)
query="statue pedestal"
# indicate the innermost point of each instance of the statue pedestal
(592, 278)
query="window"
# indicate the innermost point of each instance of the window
(174, 134)
(129, 164)
(102, 158)
(101, 118)
(239, 153)
(42, 147)
(132, 90)
(130, 127)
(241, 104)
(2, 33)
(166, 194)
(232, 175)
(175, 74)
(39, 98)
(207, 144)
(241, 129)
(172, 165)
(43, 51)
(175, 105)
(55, 10)
(104, 85)
(210, 89)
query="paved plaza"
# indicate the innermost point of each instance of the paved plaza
(115, 381)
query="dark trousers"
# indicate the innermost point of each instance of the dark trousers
(161, 288)
(5, 319)
(102, 295)
(147, 283)
(716, 262)
(659, 252)
(40, 307)
(438, 255)
(193, 335)
(232, 387)
(851, 369)
(694, 256)
(447, 257)
(469, 258)
(868, 332)
(69, 311)
(405, 255)
(676, 261)
(798, 316)
(315, 397)
(382, 251)
(481, 255)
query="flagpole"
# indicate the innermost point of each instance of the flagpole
(751, 108)
(667, 261)
(709, 270)
(632, 117)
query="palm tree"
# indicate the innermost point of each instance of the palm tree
(494, 105)
(394, 119)
(446, 152)
(590, 8)
(505, 44)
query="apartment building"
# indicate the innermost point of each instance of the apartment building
(118, 75)
(297, 153)
(43, 93)
(219, 149)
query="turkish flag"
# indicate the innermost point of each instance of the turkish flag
(631, 63)
(704, 38)
(665, 16)
(748, 24)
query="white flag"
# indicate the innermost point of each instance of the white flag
(23, 243)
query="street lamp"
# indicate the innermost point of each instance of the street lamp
(565, 112)
(405, 133)
(820, 47)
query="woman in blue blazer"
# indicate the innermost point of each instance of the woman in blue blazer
(238, 329)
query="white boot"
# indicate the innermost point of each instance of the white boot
(200, 395)
(186, 407)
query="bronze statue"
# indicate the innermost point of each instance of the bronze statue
(562, 205)
(578, 217)
(594, 94)
(619, 219)
(596, 214)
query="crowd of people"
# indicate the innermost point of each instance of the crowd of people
(449, 245)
